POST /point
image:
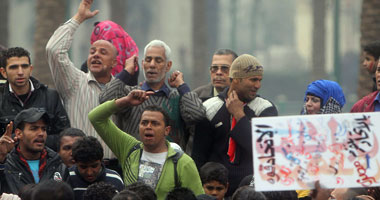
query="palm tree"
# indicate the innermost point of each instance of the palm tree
(370, 31)
(49, 15)
(4, 7)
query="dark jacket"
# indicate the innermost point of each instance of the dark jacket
(205, 92)
(15, 174)
(79, 184)
(212, 136)
(41, 97)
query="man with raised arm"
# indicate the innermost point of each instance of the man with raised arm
(183, 106)
(80, 91)
(153, 160)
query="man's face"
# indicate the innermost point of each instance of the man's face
(153, 131)
(17, 71)
(89, 171)
(215, 189)
(377, 74)
(32, 139)
(65, 150)
(369, 62)
(220, 70)
(101, 58)
(246, 88)
(155, 65)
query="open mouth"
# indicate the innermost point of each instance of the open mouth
(96, 62)
(148, 135)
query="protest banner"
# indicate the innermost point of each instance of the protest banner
(339, 150)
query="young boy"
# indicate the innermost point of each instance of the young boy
(214, 177)
(371, 53)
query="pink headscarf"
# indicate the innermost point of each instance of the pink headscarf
(110, 31)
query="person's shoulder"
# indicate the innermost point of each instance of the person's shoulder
(259, 104)
(202, 88)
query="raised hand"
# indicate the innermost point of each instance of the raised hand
(84, 11)
(130, 64)
(234, 106)
(6, 142)
(134, 98)
(176, 79)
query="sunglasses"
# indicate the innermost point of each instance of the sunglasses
(225, 69)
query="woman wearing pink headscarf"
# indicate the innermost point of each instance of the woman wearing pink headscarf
(126, 47)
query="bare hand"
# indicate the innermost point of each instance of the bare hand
(84, 11)
(6, 142)
(234, 106)
(130, 64)
(134, 98)
(320, 193)
(176, 79)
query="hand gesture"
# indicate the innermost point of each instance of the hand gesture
(6, 142)
(134, 98)
(176, 79)
(84, 11)
(131, 64)
(234, 106)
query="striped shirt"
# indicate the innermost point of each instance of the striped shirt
(78, 90)
(184, 108)
(80, 185)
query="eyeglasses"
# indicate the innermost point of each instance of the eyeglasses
(218, 188)
(224, 68)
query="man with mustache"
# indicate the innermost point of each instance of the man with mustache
(219, 71)
(28, 161)
(225, 135)
(184, 107)
(78, 90)
(22, 91)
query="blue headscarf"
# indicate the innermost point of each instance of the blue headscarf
(325, 89)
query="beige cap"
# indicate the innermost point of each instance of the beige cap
(246, 66)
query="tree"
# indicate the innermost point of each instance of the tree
(370, 31)
(318, 49)
(49, 15)
(4, 7)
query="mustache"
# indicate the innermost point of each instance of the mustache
(219, 79)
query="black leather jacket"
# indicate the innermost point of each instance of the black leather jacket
(41, 97)
(16, 174)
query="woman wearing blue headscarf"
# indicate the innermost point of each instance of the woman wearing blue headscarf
(323, 97)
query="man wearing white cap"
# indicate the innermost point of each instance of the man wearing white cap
(225, 136)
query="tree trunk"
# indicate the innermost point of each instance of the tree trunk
(49, 15)
(370, 31)
(4, 7)
(200, 60)
(318, 49)
(118, 12)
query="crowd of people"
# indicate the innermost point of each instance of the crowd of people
(101, 135)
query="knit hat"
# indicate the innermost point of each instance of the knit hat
(246, 66)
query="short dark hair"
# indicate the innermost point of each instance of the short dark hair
(373, 49)
(51, 189)
(143, 190)
(100, 191)
(283, 195)
(87, 149)
(156, 108)
(25, 193)
(13, 52)
(247, 193)
(212, 171)
(71, 132)
(181, 193)
(127, 195)
(226, 52)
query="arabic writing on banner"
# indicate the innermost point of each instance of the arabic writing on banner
(340, 150)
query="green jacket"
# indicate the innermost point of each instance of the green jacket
(122, 143)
